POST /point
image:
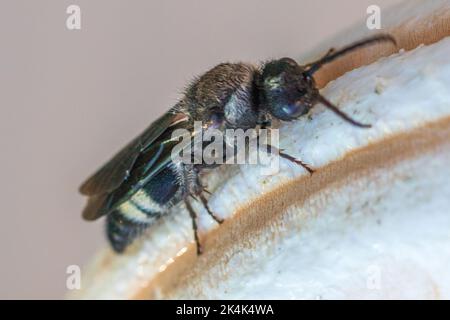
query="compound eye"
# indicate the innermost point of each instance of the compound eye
(294, 110)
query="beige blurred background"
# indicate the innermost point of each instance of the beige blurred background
(70, 99)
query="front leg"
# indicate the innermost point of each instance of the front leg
(193, 215)
(272, 150)
(265, 124)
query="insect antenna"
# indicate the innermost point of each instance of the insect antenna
(333, 55)
(341, 114)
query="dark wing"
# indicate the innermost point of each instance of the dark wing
(115, 171)
(148, 165)
(147, 148)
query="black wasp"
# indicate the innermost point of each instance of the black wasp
(141, 182)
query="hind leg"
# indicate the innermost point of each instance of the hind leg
(193, 215)
(192, 187)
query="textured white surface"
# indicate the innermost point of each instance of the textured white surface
(330, 256)
(384, 236)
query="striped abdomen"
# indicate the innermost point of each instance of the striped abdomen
(132, 217)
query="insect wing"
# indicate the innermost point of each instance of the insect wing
(122, 176)
(115, 171)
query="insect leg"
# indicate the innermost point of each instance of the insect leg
(193, 215)
(197, 193)
(208, 209)
(271, 149)
(297, 161)
(206, 191)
